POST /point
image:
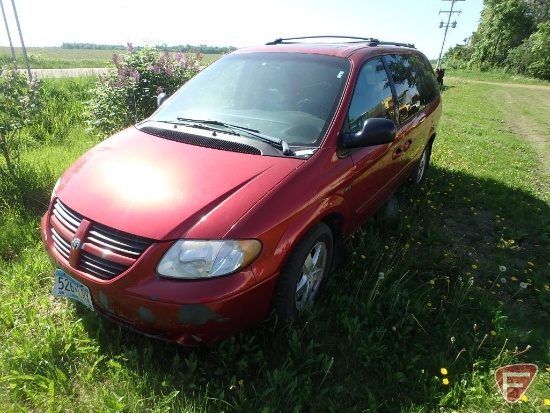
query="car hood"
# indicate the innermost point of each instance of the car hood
(163, 189)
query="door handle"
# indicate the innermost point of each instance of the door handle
(397, 153)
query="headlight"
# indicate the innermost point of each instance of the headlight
(191, 259)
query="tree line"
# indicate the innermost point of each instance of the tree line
(202, 48)
(512, 34)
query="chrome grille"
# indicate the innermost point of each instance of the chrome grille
(104, 252)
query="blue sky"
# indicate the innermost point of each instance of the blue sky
(236, 23)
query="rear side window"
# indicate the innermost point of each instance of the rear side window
(415, 83)
(372, 96)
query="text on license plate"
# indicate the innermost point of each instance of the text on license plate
(66, 286)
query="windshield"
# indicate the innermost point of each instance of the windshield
(286, 96)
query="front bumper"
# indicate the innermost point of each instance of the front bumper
(187, 312)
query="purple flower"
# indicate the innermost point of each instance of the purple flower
(149, 66)
(169, 70)
(135, 75)
(129, 47)
(157, 68)
(178, 56)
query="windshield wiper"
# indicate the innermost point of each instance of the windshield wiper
(277, 143)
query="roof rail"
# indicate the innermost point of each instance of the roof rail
(372, 41)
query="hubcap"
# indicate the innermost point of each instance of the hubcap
(422, 165)
(311, 275)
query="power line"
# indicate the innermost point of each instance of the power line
(446, 26)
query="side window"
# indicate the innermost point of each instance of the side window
(372, 97)
(415, 84)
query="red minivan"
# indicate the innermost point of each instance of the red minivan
(231, 200)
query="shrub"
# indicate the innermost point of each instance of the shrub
(127, 93)
(19, 107)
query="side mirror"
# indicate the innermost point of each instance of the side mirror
(161, 98)
(375, 131)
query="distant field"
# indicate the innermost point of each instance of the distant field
(58, 58)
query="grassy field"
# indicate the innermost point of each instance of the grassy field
(427, 306)
(58, 58)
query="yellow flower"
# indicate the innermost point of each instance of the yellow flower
(445, 381)
(474, 267)
(524, 398)
(444, 371)
(548, 369)
(513, 278)
(547, 402)
(493, 333)
(530, 264)
(432, 282)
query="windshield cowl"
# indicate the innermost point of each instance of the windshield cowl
(215, 139)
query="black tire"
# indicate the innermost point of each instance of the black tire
(419, 171)
(304, 273)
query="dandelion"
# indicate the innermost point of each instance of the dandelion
(523, 285)
(502, 268)
(445, 381)
(524, 398)
(444, 371)
(503, 280)
(474, 266)
(432, 282)
(381, 276)
(513, 278)
(548, 369)
(530, 264)
(547, 402)
(493, 333)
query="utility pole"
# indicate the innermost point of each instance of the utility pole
(449, 24)
(23, 43)
(8, 31)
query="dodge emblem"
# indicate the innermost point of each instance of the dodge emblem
(75, 243)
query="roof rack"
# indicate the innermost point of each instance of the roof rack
(372, 41)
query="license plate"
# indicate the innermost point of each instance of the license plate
(66, 286)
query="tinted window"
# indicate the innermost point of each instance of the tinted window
(415, 84)
(372, 97)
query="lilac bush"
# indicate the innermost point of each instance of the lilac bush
(19, 107)
(127, 93)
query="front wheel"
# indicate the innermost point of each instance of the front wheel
(304, 273)
(419, 172)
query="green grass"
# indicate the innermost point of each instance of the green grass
(418, 293)
(58, 58)
(493, 76)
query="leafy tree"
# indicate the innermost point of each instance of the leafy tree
(19, 107)
(504, 24)
(540, 49)
(128, 92)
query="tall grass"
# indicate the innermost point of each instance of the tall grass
(459, 281)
